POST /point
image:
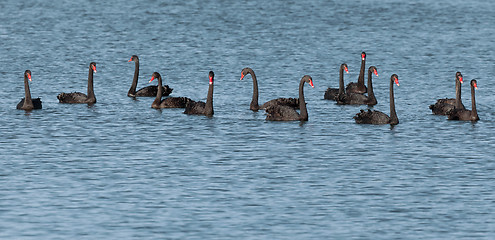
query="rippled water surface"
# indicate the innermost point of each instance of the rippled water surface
(122, 170)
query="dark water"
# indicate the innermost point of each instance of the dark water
(121, 170)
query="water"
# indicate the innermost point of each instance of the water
(121, 170)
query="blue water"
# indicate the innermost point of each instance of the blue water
(121, 170)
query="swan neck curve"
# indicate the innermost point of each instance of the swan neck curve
(254, 102)
(393, 115)
(302, 103)
(132, 90)
(209, 101)
(458, 99)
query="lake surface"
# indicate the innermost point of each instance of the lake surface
(122, 170)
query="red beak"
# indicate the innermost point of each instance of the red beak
(129, 60)
(376, 73)
(211, 80)
(396, 80)
(152, 78)
(29, 77)
(242, 76)
(475, 85)
(460, 79)
(347, 71)
(94, 68)
(311, 83)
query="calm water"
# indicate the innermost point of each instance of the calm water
(121, 170)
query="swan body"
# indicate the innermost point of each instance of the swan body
(77, 97)
(359, 86)
(254, 106)
(443, 106)
(333, 93)
(377, 117)
(202, 108)
(464, 114)
(357, 98)
(149, 91)
(286, 113)
(27, 103)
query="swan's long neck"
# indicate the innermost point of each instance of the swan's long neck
(209, 101)
(132, 90)
(91, 93)
(28, 102)
(371, 94)
(254, 102)
(159, 94)
(361, 74)
(302, 103)
(393, 115)
(474, 113)
(341, 80)
(458, 100)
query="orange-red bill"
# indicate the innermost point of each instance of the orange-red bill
(376, 73)
(211, 80)
(346, 70)
(311, 83)
(129, 60)
(475, 85)
(29, 77)
(242, 76)
(152, 78)
(396, 80)
(460, 79)
(94, 68)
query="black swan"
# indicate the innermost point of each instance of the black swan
(170, 102)
(286, 113)
(202, 108)
(27, 103)
(149, 91)
(357, 98)
(333, 93)
(77, 97)
(359, 86)
(377, 117)
(443, 106)
(291, 102)
(463, 114)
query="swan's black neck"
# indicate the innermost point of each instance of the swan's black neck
(209, 101)
(458, 100)
(91, 93)
(474, 113)
(302, 103)
(132, 90)
(28, 102)
(254, 102)
(393, 115)
(371, 94)
(159, 93)
(360, 83)
(341, 80)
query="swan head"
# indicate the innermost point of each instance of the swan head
(309, 80)
(395, 78)
(211, 76)
(363, 56)
(154, 76)
(458, 76)
(27, 74)
(245, 71)
(474, 83)
(134, 58)
(344, 66)
(373, 70)
(92, 66)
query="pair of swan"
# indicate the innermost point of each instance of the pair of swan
(453, 107)
(76, 97)
(280, 109)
